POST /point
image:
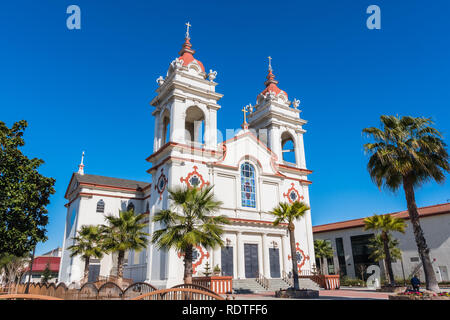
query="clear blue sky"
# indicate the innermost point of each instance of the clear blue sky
(90, 89)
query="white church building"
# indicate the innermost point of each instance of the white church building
(251, 170)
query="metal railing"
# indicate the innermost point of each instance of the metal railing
(263, 281)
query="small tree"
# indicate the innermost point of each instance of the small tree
(124, 233)
(87, 244)
(46, 274)
(385, 224)
(207, 271)
(289, 213)
(323, 251)
(216, 270)
(190, 222)
(376, 246)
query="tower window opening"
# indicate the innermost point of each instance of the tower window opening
(288, 148)
(166, 130)
(194, 125)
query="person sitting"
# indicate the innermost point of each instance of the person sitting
(415, 282)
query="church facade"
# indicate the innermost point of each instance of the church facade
(252, 170)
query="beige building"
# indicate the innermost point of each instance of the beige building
(349, 242)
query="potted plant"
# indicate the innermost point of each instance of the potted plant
(216, 270)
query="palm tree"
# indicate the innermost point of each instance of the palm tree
(189, 222)
(386, 224)
(323, 250)
(289, 213)
(123, 233)
(376, 246)
(408, 151)
(87, 244)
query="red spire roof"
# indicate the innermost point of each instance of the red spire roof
(271, 84)
(187, 54)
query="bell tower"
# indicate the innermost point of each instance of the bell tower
(186, 102)
(277, 122)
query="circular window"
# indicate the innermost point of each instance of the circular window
(293, 195)
(194, 181)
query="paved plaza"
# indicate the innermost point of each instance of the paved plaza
(342, 294)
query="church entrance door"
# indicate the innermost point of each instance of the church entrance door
(227, 261)
(251, 260)
(274, 259)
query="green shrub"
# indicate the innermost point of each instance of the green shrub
(346, 282)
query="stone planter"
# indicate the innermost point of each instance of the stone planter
(297, 294)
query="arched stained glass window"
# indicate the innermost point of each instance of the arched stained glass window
(248, 186)
(100, 206)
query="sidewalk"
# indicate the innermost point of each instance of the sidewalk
(345, 294)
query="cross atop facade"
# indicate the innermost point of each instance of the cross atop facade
(270, 62)
(187, 29)
(244, 110)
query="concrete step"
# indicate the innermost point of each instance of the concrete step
(247, 286)
(251, 286)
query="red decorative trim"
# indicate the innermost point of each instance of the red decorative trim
(87, 194)
(288, 194)
(199, 261)
(302, 253)
(192, 174)
(162, 177)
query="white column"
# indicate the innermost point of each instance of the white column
(301, 160)
(177, 129)
(285, 251)
(148, 277)
(275, 142)
(240, 255)
(266, 260)
(212, 130)
(156, 133)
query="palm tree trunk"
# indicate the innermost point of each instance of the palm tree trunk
(120, 260)
(188, 265)
(293, 255)
(388, 260)
(86, 270)
(424, 251)
(325, 265)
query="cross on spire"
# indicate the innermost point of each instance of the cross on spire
(270, 63)
(81, 165)
(187, 29)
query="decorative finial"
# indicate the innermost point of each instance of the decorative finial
(81, 165)
(270, 63)
(187, 29)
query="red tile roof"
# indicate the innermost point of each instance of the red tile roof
(423, 212)
(40, 263)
